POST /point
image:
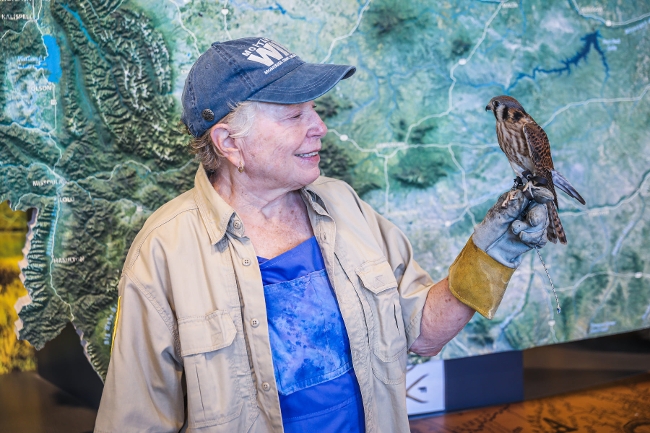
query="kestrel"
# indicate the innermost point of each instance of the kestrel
(526, 145)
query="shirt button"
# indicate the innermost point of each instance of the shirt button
(266, 386)
(255, 323)
(237, 224)
(246, 262)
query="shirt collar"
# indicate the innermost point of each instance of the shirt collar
(215, 212)
(314, 200)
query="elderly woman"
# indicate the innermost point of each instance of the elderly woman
(270, 299)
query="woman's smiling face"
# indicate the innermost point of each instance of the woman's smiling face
(281, 150)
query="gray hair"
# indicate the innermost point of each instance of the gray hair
(240, 119)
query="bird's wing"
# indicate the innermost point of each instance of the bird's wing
(540, 151)
(540, 148)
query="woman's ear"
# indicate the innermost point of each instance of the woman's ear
(225, 144)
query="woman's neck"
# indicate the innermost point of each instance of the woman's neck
(248, 196)
(275, 220)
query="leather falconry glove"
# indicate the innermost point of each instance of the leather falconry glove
(480, 274)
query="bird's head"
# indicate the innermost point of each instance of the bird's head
(506, 108)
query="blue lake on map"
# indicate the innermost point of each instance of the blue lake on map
(53, 60)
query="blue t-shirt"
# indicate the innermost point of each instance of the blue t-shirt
(310, 347)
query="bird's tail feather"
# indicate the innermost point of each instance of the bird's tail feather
(561, 182)
(555, 231)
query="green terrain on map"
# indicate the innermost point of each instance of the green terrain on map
(89, 138)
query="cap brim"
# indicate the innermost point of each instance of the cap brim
(305, 83)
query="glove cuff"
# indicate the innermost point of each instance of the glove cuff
(477, 280)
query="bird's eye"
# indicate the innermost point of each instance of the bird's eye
(496, 104)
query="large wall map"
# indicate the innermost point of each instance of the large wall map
(89, 138)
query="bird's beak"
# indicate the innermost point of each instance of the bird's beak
(488, 107)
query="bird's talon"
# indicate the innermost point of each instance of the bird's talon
(528, 192)
(511, 196)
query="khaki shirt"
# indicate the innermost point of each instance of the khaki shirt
(191, 350)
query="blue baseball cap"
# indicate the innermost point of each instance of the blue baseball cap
(251, 69)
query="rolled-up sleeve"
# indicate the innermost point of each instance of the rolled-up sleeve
(143, 391)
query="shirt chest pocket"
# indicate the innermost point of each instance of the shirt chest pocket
(208, 357)
(388, 338)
